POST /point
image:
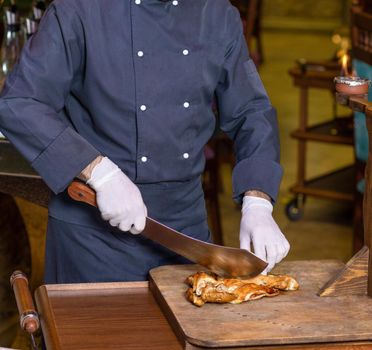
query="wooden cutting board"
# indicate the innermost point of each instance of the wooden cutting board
(299, 317)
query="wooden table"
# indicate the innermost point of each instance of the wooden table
(127, 316)
(103, 316)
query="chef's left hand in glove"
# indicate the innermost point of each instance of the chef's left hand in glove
(258, 228)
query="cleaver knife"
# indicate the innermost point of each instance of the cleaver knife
(225, 261)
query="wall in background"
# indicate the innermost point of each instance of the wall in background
(319, 15)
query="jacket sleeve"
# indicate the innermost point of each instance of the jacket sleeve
(247, 117)
(33, 99)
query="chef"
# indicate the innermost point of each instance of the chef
(118, 93)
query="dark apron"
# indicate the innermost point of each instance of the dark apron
(81, 247)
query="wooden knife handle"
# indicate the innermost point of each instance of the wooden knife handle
(29, 319)
(82, 193)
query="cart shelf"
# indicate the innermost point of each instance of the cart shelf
(337, 185)
(321, 78)
(339, 130)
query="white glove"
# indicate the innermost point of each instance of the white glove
(118, 198)
(258, 228)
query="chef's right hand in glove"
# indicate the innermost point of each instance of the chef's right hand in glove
(259, 229)
(118, 198)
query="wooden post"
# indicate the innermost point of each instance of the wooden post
(356, 277)
(301, 156)
(367, 202)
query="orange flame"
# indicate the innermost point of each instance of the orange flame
(344, 65)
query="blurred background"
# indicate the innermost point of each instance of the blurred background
(298, 47)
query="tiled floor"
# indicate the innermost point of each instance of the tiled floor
(325, 231)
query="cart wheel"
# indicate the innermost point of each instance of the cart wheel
(293, 211)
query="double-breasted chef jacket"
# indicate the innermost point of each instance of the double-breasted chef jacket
(134, 80)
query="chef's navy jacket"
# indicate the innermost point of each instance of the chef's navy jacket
(134, 80)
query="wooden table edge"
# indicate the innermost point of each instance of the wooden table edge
(95, 286)
(47, 318)
(311, 346)
(167, 313)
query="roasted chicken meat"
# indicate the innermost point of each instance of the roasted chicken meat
(210, 288)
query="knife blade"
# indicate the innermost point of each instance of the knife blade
(225, 261)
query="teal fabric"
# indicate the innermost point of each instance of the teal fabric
(361, 185)
(363, 70)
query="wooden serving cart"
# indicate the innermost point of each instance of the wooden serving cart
(156, 315)
(338, 184)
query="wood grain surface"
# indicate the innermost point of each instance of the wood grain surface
(103, 316)
(328, 346)
(292, 318)
(367, 201)
(351, 280)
